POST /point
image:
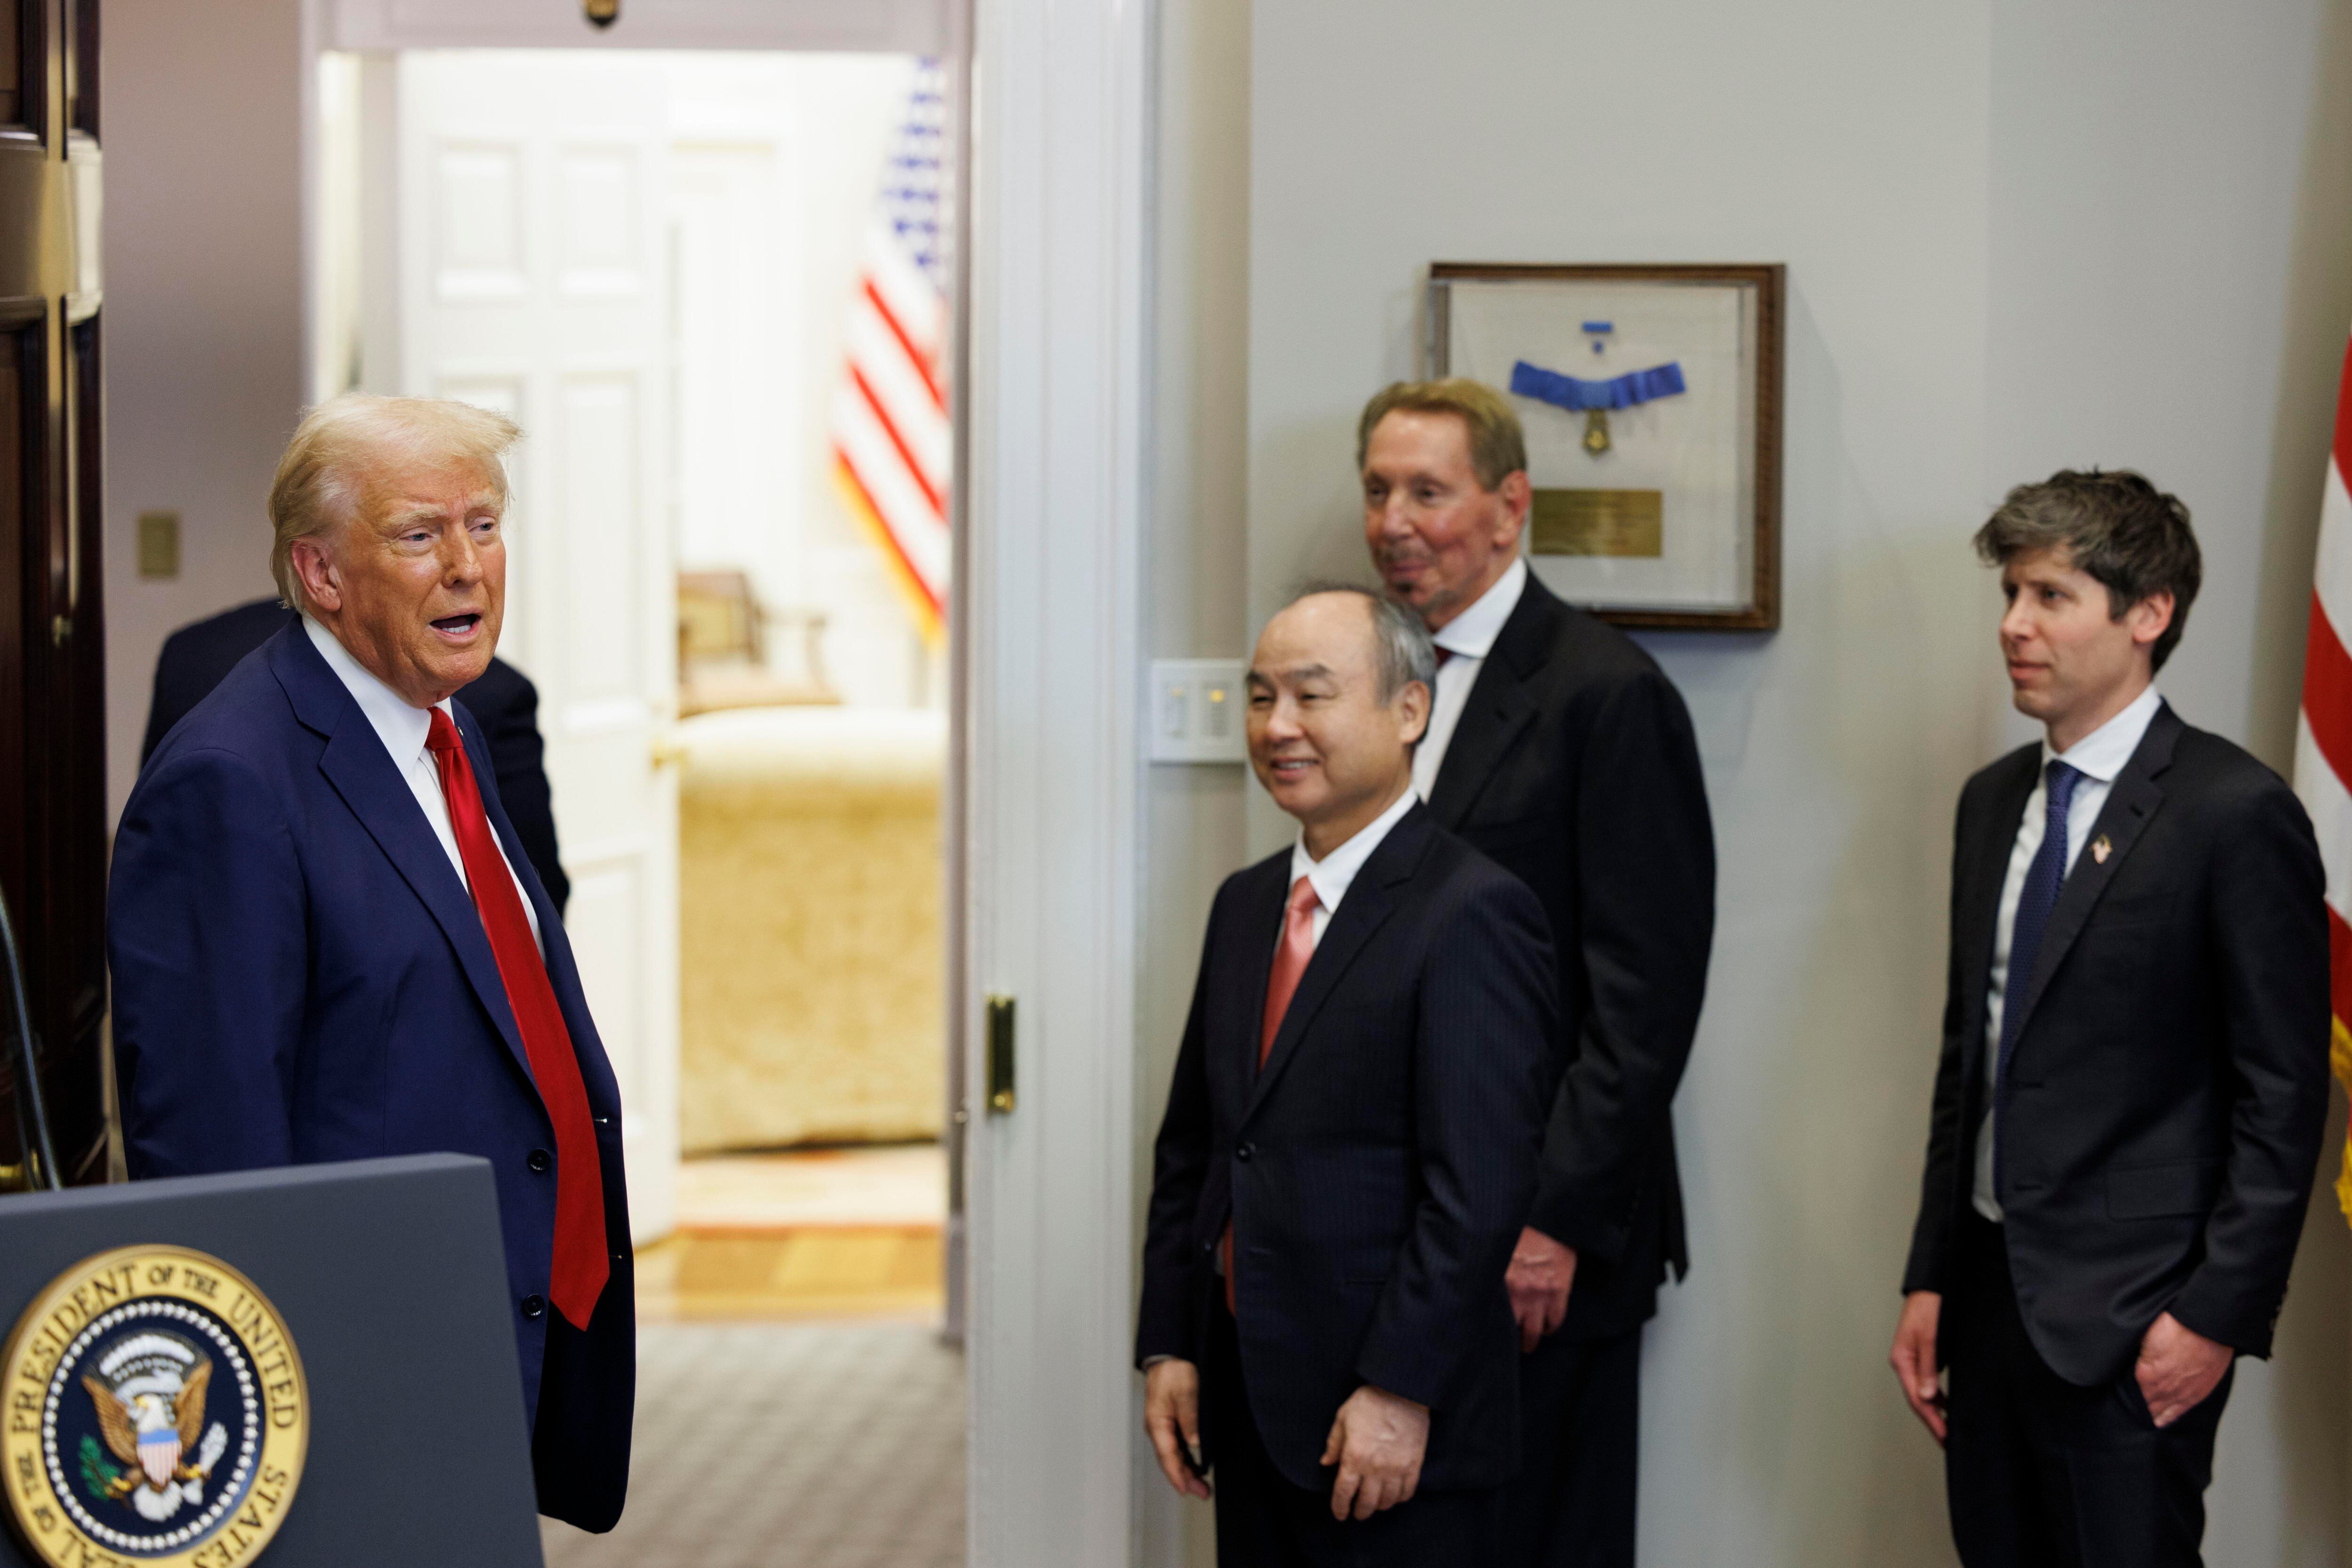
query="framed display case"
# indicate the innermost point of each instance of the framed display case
(1650, 396)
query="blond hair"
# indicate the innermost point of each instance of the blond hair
(1499, 447)
(322, 477)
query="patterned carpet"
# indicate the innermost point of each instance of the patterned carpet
(789, 1445)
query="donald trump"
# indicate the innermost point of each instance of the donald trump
(327, 942)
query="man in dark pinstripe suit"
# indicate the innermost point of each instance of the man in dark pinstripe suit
(1350, 1143)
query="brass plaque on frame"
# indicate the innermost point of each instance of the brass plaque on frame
(1600, 522)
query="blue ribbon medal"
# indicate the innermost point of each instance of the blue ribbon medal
(1594, 399)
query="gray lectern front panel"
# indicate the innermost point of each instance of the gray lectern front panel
(390, 1280)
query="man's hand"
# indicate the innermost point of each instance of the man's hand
(1172, 1415)
(1538, 1279)
(1377, 1440)
(1915, 1358)
(2177, 1368)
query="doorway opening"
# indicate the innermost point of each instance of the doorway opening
(713, 289)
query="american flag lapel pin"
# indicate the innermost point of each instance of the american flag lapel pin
(2101, 848)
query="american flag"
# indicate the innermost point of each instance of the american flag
(2323, 742)
(891, 437)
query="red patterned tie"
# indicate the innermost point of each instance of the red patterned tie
(1289, 962)
(581, 1266)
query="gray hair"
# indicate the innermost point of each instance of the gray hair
(1402, 650)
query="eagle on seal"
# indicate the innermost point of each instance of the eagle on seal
(149, 1433)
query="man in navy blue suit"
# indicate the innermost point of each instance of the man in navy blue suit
(327, 940)
(1351, 1143)
(199, 656)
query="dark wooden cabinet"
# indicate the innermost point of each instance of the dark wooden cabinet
(52, 644)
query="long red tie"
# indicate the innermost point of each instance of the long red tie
(1289, 962)
(581, 1265)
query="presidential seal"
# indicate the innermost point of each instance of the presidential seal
(155, 1413)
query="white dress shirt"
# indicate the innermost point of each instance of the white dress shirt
(2098, 756)
(402, 727)
(1468, 639)
(1332, 874)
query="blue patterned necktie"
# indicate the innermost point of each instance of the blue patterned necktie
(2043, 879)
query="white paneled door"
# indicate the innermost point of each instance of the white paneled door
(527, 238)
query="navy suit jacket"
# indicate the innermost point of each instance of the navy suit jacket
(199, 657)
(301, 975)
(2165, 1102)
(1379, 1168)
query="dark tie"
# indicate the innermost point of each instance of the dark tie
(580, 1265)
(2035, 900)
(1443, 654)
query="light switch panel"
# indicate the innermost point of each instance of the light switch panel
(1196, 711)
(159, 544)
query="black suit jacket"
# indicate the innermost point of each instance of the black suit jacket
(1378, 1170)
(198, 658)
(1574, 768)
(2162, 1114)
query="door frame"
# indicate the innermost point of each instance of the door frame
(1059, 411)
(1045, 861)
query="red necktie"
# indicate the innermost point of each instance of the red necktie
(581, 1265)
(1289, 962)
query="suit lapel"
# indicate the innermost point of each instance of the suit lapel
(2132, 802)
(1366, 908)
(1498, 709)
(1247, 957)
(362, 771)
(1979, 909)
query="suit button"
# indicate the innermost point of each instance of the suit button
(1244, 1150)
(534, 1306)
(541, 1160)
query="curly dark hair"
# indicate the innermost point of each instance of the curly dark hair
(2130, 536)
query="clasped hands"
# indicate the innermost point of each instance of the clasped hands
(1377, 1440)
(2177, 1369)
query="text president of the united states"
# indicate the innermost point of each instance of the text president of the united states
(327, 942)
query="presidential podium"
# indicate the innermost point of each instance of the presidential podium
(306, 1367)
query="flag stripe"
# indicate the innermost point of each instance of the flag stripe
(2332, 573)
(920, 532)
(2329, 806)
(882, 415)
(2327, 691)
(899, 330)
(897, 386)
(862, 507)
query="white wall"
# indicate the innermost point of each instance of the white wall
(2017, 235)
(205, 369)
